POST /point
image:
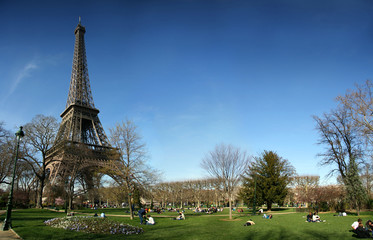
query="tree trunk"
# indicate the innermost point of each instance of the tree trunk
(71, 194)
(269, 206)
(130, 205)
(36, 192)
(39, 203)
(230, 207)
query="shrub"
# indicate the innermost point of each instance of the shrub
(324, 207)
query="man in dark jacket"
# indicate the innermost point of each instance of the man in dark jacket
(141, 213)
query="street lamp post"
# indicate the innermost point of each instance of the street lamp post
(8, 221)
(254, 204)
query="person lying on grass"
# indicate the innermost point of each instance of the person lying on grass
(267, 216)
(249, 223)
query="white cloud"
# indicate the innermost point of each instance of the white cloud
(23, 73)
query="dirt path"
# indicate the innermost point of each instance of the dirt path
(10, 234)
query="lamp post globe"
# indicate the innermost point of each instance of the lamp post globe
(8, 221)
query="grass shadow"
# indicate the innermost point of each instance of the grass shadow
(279, 210)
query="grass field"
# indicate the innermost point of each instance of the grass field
(285, 224)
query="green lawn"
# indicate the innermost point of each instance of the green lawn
(285, 225)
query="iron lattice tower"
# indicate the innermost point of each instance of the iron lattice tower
(80, 122)
(81, 142)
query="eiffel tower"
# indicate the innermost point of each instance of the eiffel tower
(81, 145)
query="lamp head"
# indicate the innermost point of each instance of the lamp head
(20, 134)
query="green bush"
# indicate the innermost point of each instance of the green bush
(370, 203)
(324, 207)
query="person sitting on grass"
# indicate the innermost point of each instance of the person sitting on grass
(369, 225)
(316, 218)
(309, 217)
(150, 220)
(361, 232)
(181, 216)
(355, 225)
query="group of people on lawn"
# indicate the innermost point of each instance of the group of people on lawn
(149, 220)
(313, 217)
(361, 231)
(207, 210)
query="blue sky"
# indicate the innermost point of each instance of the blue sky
(192, 73)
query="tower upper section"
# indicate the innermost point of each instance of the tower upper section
(80, 90)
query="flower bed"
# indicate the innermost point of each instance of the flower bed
(93, 225)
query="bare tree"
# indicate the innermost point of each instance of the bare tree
(6, 154)
(161, 193)
(305, 187)
(189, 191)
(341, 140)
(343, 149)
(178, 191)
(359, 106)
(25, 177)
(226, 163)
(132, 172)
(4, 134)
(331, 194)
(367, 178)
(196, 189)
(39, 137)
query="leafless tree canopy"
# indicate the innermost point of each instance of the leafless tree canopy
(305, 187)
(341, 139)
(227, 164)
(6, 154)
(190, 192)
(39, 137)
(359, 106)
(132, 172)
(4, 134)
(341, 135)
